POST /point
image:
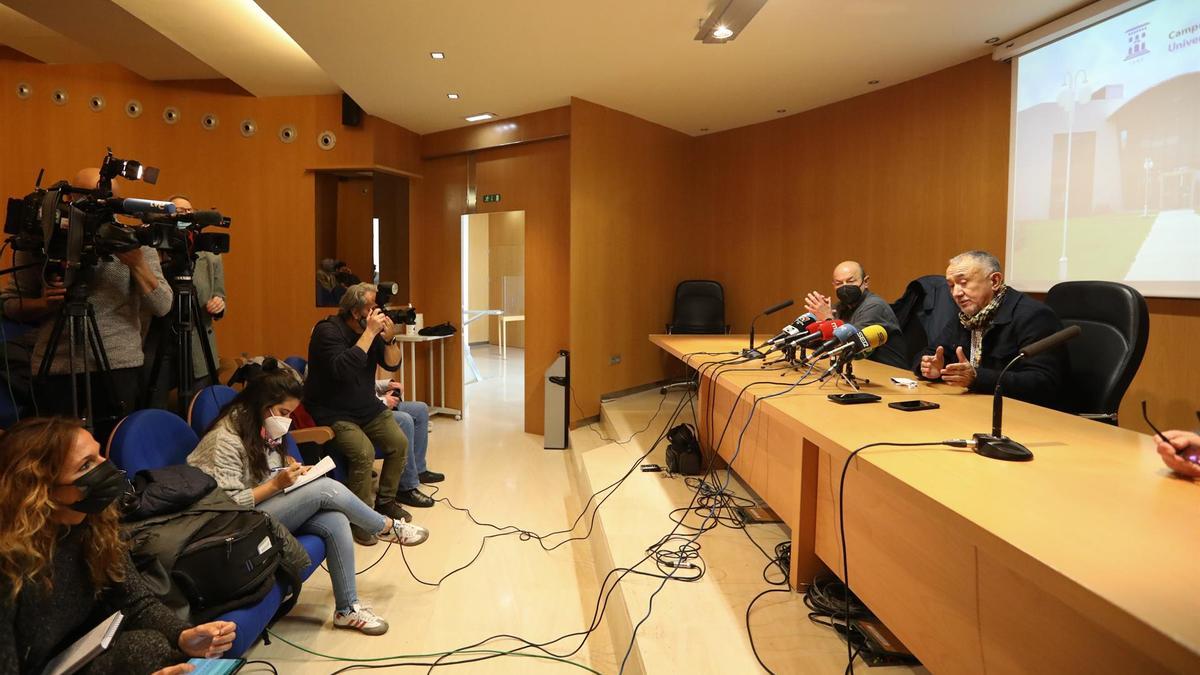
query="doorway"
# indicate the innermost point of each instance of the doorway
(493, 305)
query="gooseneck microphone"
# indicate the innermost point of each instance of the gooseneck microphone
(996, 445)
(751, 352)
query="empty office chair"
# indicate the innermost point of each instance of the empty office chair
(299, 364)
(923, 311)
(1115, 325)
(699, 309)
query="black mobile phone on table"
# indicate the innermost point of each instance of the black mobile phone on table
(857, 397)
(913, 406)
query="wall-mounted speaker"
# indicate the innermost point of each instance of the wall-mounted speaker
(59, 97)
(287, 133)
(210, 121)
(133, 108)
(352, 114)
(96, 103)
(171, 114)
(24, 91)
(326, 140)
(249, 128)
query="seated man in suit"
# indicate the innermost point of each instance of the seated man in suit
(994, 323)
(857, 305)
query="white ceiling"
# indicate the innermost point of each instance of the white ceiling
(517, 56)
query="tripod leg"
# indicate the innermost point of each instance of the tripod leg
(87, 420)
(102, 365)
(52, 346)
(157, 336)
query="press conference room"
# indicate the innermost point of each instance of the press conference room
(686, 336)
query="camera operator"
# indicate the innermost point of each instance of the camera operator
(118, 291)
(208, 276)
(343, 354)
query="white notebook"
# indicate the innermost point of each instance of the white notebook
(319, 469)
(85, 648)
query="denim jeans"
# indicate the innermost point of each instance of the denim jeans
(413, 418)
(326, 508)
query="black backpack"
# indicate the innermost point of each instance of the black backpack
(683, 453)
(232, 561)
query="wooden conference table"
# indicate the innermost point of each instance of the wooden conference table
(1086, 559)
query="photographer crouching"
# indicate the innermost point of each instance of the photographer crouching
(119, 289)
(343, 354)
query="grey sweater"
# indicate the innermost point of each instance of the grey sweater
(118, 302)
(221, 455)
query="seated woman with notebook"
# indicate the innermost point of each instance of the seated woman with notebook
(64, 568)
(243, 451)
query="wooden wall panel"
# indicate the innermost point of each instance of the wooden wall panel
(633, 238)
(506, 252)
(535, 126)
(356, 208)
(259, 181)
(900, 179)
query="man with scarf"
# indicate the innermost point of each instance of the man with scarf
(857, 305)
(993, 324)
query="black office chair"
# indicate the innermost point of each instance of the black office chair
(699, 309)
(1106, 355)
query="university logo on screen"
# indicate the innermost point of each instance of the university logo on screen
(1136, 39)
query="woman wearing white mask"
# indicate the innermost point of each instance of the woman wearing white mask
(243, 451)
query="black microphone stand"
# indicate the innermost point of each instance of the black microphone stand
(996, 445)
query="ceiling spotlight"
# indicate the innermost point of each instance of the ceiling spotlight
(727, 20)
(992, 40)
(437, 56)
(480, 117)
(872, 81)
(703, 128)
(452, 97)
(781, 110)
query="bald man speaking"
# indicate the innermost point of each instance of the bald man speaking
(857, 305)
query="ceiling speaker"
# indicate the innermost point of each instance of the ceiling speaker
(287, 133)
(133, 108)
(352, 114)
(249, 128)
(210, 121)
(96, 103)
(171, 114)
(59, 97)
(24, 91)
(326, 140)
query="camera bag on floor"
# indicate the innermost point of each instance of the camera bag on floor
(683, 453)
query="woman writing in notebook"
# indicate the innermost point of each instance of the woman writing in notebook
(243, 451)
(64, 569)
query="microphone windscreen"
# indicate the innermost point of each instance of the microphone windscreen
(827, 328)
(1050, 341)
(844, 332)
(876, 335)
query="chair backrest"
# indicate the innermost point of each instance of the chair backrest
(207, 404)
(297, 363)
(1115, 325)
(149, 439)
(699, 308)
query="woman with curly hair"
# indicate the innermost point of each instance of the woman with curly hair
(64, 567)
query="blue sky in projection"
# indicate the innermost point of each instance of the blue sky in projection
(1137, 50)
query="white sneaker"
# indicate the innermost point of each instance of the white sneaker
(361, 618)
(405, 534)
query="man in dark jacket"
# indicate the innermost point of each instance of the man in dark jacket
(343, 353)
(857, 305)
(994, 323)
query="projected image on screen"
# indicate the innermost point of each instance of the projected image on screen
(1106, 155)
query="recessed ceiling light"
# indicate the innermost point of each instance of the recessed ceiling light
(437, 56)
(992, 40)
(480, 117)
(722, 32)
(872, 81)
(781, 110)
(452, 96)
(703, 128)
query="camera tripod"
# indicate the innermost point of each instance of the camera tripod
(179, 326)
(78, 317)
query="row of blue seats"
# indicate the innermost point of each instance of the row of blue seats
(149, 439)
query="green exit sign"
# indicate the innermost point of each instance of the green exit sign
(492, 198)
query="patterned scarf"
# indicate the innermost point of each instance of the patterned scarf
(980, 324)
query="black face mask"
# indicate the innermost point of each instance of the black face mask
(101, 486)
(849, 294)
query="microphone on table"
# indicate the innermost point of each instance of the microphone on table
(794, 329)
(840, 336)
(814, 333)
(862, 343)
(751, 352)
(996, 445)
